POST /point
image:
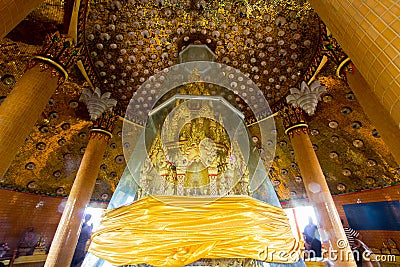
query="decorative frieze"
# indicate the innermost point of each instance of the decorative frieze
(293, 119)
(337, 55)
(57, 55)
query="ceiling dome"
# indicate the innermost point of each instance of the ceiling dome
(273, 43)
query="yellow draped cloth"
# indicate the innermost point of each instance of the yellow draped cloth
(178, 230)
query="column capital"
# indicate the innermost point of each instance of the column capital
(96, 102)
(56, 55)
(307, 97)
(337, 55)
(294, 120)
(103, 126)
(100, 107)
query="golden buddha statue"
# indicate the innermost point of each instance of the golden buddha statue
(200, 153)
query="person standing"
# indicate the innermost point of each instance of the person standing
(84, 236)
(312, 239)
(352, 237)
(311, 230)
(312, 247)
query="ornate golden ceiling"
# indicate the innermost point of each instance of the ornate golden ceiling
(275, 43)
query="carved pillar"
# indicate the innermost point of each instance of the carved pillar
(328, 221)
(180, 175)
(23, 106)
(66, 237)
(162, 189)
(212, 175)
(226, 181)
(13, 12)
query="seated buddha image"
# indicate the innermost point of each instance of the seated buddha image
(200, 152)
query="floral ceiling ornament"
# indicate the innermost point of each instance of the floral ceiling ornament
(307, 97)
(97, 103)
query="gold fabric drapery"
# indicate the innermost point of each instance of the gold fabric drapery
(178, 230)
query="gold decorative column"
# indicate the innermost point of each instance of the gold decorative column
(23, 106)
(66, 237)
(369, 32)
(12, 12)
(329, 224)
